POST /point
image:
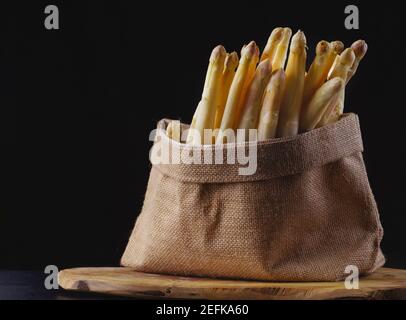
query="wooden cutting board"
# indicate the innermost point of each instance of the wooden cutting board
(384, 284)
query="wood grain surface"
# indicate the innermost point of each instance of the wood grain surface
(384, 284)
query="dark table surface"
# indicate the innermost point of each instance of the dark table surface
(29, 285)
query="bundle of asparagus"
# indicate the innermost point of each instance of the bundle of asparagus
(258, 92)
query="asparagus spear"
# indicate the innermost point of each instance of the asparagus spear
(169, 130)
(318, 71)
(341, 69)
(230, 65)
(338, 48)
(254, 61)
(211, 95)
(326, 54)
(272, 44)
(323, 102)
(268, 118)
(292, 100)
(251, 108)
(336, 112)
(282, 50)
(173, 130)
(360, 48)
(343, 65)
(206, 83)
(247, 83)
(193, 123)
(235, 94)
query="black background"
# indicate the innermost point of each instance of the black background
(77, 106)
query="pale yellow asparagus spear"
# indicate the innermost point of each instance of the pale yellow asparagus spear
(282, 50)
(341, 69)
(173, 130)
(252, 104)
(292, 101)
(250, 76)
(318, 71)
(254, 62)
(343, 65)
(338, 48)
(169, 130)
(336, 112)
(268, 118)
(272, 44)
(360, 48)
(323, 102)
(325, 119)
(234, 96)
(333, 66)
(211, 96)
(206, 83)
(326, 54)
(230, 65)
(248, 80)
(193, 123)
(231, 62)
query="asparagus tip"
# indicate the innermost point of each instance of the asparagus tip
(287, 32)
(337, 46)
(242, 49)
(218, 52)
(234, 55)
(276, 34)
(250, 50)
(231, 60)
(322, 47)
(300, 36)
(298, 41)
(360, 48)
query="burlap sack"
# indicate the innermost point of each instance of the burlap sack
(305, 215)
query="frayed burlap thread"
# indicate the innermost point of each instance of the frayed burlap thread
(305, 215)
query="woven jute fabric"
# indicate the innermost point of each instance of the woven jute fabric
(305, 215)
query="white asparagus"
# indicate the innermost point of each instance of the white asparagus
(292, 101)
(268, 118)
(173, 130)
(344, 63)
(340, 69)
(323, 102)
(360, 48)
(211, 96)
(282, 50)
(318, 70)
(272, 44)
(230, 65)
(250, 77)
(235, 95)
(252, 105)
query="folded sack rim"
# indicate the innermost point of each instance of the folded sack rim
(275, 157)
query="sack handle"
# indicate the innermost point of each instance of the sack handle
(275, 157)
